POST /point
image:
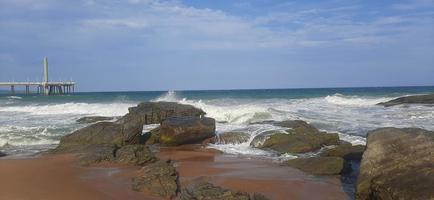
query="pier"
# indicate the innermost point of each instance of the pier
(44, 87)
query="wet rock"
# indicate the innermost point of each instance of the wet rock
(2, 154)
(153, 136)
(100, 133)
(157, 112)
(135, 155)
(346, 151)
(416, 99)
(93, 119)
(258, 196)
(233, 137)
(96, 154)
(259, 140)
(186, 130)
(397, 164)
(207, 191)
(319, 165)
(159, 178)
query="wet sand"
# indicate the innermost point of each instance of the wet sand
(252, 175)
(53, 177)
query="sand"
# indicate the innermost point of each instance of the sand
(50, 177)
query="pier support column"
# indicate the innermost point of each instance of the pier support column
(13, 90)
(27, 90)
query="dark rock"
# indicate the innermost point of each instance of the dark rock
(100, 133)
(258, 196)
(319, 165)
(135, 155)
(154, 136)
(207, 191)
(97, 153)
(159, 178)
(2, 154)
(397, 164)
(157, 112)
(233, 137)
(93, 119)
(259, 140)
(416, 99)
(346, 151)
(186, 130)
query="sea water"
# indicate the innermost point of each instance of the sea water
(30, 124)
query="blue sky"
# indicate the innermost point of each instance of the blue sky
(220, 44)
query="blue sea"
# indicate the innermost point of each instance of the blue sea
(30, 124)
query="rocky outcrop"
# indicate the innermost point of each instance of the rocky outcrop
(300, 138)
(153, 136)
(159, 178)
(346, 151)
(93, 119)
(319, 165)
(2, 154)
(232, 137)
(259, 140)
(135, 155)
(397, 164)
(95, 154)
(416, 99)
(186, 130)
(208, 191)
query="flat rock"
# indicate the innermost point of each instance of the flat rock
(135, 155)
(186, 130)
(233, 137)
(346, 151)
(397, 164)
(93, 119)
(415, 99)
(300, 138)
(208, 191)
(319, 165)
(159, 178)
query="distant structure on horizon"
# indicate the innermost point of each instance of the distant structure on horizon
(45, 87)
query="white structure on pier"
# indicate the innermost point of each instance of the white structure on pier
(46, 87)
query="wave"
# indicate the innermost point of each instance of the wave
(339, 99)
(104, 109)
(14, 97)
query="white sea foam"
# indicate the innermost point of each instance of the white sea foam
(343, 100)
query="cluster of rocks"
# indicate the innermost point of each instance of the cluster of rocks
(123, 142)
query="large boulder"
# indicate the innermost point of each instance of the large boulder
(95, 154)
(159, 178)
(415, 99)
(186, 130)
(208, 191)
(319, 165)
(233, 137)
(397, 164)
(135, 155)
(346, 151)
(300, 138)
(101, 133)
(93, 119)
(157, 112)
(259, 139)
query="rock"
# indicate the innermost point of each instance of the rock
(153, 136)
(135, 155)
(186, 130)
(297, 141)
(397, 164)
(259, 140)
(258, 196)
(2, 154)
(233, 137)
(97, 153)
(299, 125)
(415, 99)
(100, 133)
(346, 151)
(93, 119)
(319, 165)
(207, 191)
(159, 178)
(157, 112)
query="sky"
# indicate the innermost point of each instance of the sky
(140, 45)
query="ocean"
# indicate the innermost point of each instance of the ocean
(30, 124)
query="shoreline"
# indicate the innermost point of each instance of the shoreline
(48, 176)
